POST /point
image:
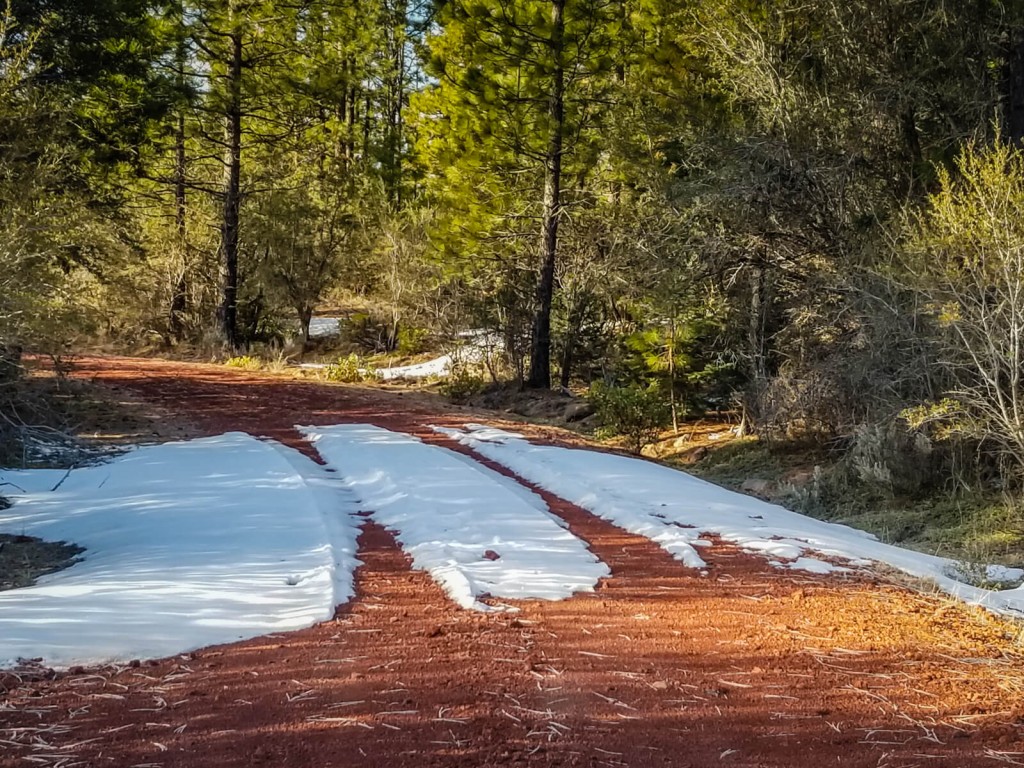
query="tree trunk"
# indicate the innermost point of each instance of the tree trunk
(672, 373)
(568, 352)
(567, 360)
(1013, 89)
(305, 316)
(574, 326)
(367, 117)
(227, 314)
(753, 402)
(395, 102)
(540, 340)
(179, 301)
(351, 115)
(912, 138)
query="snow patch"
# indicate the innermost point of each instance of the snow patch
(439, 367)
(323, 327)
(652, 500)
(474, 348)
(453, 516)
(187, 545)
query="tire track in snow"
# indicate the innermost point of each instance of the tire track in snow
(630, 556)
(477, 533)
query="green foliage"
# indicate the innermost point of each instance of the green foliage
(463, 382)
(99, 60)
(412, 340)
(244, 362)
(964, 256)
(369, 331)
(53, 241)
(733, 174)
(680, 357)
(485, 128)
(350, 369)
(940, 421)
(637, 414)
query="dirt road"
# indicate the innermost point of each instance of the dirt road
(746, 666)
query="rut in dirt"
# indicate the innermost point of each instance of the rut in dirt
(660, 666)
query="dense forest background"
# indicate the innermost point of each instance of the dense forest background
(808, 214)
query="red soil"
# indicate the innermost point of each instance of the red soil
(661, 666)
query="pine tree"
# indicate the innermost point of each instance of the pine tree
(513, 112)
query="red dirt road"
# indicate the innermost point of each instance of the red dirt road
(746, 666)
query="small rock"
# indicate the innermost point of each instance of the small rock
(490, 554)
(578, 411)
(659, 685)
(693, 455)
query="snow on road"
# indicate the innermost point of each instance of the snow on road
(213, 540)
(476, 531)
(676, 510)
(187, 544)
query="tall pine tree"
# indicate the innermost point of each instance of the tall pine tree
(511, 115)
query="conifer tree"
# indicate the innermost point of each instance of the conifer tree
(513, 110)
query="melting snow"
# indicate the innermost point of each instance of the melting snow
(476, 532)
(322, 327)
(187, 544)
(675, 510)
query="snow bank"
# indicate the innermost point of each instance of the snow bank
(322, 327)
(187, 545)
(675, 510)
(474, 530)
(438, 367)
(475, 347)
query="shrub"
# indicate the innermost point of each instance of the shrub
(684, 357)
(369, 332)
(637, 414)
(244, 362)
(463, 382)
(350, 369)
(412, 341)
(965, 259)
(892, 458)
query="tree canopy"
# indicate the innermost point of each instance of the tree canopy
(768, 208)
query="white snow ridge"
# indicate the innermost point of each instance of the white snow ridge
(187, 545)
(675, 510)
(476, 531)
